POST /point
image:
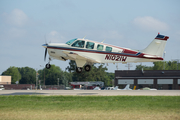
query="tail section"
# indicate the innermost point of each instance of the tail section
(156, 47)
(127, 87)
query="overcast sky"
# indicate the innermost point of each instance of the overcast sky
(126, 23)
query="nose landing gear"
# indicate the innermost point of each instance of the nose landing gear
(48, 65)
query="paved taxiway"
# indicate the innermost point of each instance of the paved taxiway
(93, 92)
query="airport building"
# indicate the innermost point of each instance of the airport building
(158, 79)
(4, 79)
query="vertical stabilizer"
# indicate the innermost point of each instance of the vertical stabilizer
(127, 87)
(156, 47)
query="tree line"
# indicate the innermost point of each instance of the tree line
(161, 65)
(55, 75)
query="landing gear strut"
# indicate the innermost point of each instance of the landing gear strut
(48, 65)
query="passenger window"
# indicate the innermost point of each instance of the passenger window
(90, 45)
(78, 43)
(100, 47)
(108, 49)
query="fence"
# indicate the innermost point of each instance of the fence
(18, 86)
(31, 87)
(53, 87)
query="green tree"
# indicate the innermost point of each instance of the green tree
(28, 75)
(140, 67)
(52, 74)
(67, 77)
(97, 73)
(14, 73)
(28, 79)
(161, 65)
(111, 76)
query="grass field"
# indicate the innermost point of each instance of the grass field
(89, 107)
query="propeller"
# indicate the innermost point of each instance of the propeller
(45, 45)
(45, 54)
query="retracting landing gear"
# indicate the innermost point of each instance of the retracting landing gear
(87, 68)
(79, 69)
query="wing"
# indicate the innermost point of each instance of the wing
(76, 56)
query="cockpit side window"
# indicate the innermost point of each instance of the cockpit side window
(108, 49)
(90, 45)
(70, 41)
(100, 47)
(78, 43)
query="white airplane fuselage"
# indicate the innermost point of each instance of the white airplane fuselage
(85, 51)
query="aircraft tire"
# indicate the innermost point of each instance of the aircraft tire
(79, 69)
(87, 68)
(48, 66)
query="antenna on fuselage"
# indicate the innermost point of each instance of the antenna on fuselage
(84, 36)
(103, 41)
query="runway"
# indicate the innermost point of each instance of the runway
(93, 92)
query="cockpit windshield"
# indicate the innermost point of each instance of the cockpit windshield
(70, 41)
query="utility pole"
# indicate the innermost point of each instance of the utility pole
(44, 76)
(36, 79)
(58, 81)
(164, 61)
(44, 73)
(117, 66)
(129, 65)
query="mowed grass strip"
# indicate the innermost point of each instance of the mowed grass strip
(89, 107)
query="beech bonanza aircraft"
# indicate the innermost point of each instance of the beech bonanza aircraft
(86, 52)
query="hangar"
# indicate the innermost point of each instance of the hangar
(158, 79)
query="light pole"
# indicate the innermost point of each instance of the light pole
(36, 78)
(164, 61)
(58, 81)
(44, 74)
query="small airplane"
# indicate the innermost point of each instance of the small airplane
(97, 88)
(117, 88)
(147, 88)
(87, 52)
(126, 88)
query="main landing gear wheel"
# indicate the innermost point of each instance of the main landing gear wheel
(79, 69)
(48, 66)
(87, 68)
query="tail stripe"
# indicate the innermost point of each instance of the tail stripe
(161, 37)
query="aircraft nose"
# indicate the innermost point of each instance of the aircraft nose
(45, 45)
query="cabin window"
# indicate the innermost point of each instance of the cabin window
(108, 49)
(70, 41)
(78, 43)
(100, 47)
(90, 45)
